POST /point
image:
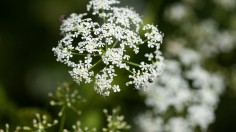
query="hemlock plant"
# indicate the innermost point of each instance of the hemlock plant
(107, 42)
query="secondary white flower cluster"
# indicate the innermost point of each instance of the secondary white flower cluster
(182, 100)
(206, 35)
(177, 13)
(210, 40)
(185, 97)
(108, 43)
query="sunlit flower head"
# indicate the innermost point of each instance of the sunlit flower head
(109, 43)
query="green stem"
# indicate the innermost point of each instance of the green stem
(62, 123)
(143, 42)
(104, 19)
(115, 44)
(85, 54)
(103, 51)
(130, 71)
(7, 128)
(95, 64)
(106, 47)
(132, 63)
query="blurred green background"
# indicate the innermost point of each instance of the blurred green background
(29, 71)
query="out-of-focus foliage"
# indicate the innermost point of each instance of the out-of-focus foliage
(7, 108)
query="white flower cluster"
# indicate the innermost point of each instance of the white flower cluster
(177, 13)
(185, 97)
(86, 44)
(182, 100)
(210, 40)
(206, 35)
(177, 47)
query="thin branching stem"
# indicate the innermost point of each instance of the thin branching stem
(85, 54)
(95, 64)
(62, 123)
(115, 44)
(132, 63)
